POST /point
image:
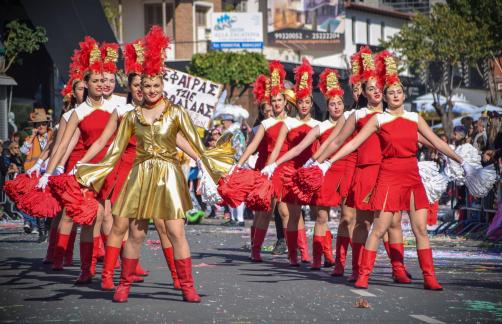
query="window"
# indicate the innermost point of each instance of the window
(382, 31)
(153, 15)
(353, 30)
(368, 36)
(200, 16)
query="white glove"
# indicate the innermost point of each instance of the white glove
(309, 163)
(233, 168)
(469, 169)
(43, 182)
(269, 169)
(36, 168)
(59, 170)
(323, 166)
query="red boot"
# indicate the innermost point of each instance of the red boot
(140, 271)
(357, 249)
(396, 251)
(126, 280)
(59, 251)
(303, 245)
(259, 237)
(292, 242)
(342, 243)
(102, 247)
(427, 265)
(365, 268)
(327, 250)
(169, 255)
(68, 257)
(317, 249)
(184, 270)
(386, 244)
(253, 228)
(111, 256)
(53, 237)
(95, 251)
(86, 252)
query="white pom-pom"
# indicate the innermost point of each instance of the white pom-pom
(435, 183)
(481, 182)
(470, 155)
(209, 190)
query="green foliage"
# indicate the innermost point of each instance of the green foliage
(233, 69)
(484, 13)
(444, 36)
(20, 39)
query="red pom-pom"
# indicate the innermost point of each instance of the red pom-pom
(19, 186)
(40, 203)
(85, 213)
(260, 198)
(235, 187)
(304, 183)
(65, 187)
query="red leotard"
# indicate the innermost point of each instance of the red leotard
(398, 178)
(369, 157)
(297, 130)
(272, 128)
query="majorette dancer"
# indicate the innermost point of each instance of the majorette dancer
(399, 186)
(330, 193)
(267, 91)
(292, 133)
(89, 119)
(63, 231)
(156, 186)
(369, 157)
(133, 65)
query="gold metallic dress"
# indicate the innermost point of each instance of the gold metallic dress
(156, 186)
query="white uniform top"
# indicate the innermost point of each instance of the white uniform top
(117, 101)
(85, 109)
(121, 111)
(325, 125)
(292, 123)
(387, 117)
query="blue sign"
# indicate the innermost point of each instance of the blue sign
(243, 45)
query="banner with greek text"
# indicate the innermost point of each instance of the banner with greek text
(197, 95)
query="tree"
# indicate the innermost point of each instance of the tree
(235, 70)
(18, 39)
(434, 46)
(486, 13)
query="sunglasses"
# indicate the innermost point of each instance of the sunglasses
(40, 124)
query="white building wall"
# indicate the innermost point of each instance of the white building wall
(133, 20)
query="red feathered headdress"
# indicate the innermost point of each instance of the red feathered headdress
(90, 56)
(261, 89)
(109, 56)
(329, 84)
(388, 69)
(76, 74)
(156, 43)
(356, 68)
(134, 57)
(303, 80)
(277, 75)
(368, 62)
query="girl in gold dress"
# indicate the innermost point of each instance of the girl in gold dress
(156, 187)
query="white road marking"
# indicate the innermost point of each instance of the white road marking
(363, 293)
(427, 319)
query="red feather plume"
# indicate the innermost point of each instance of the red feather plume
(260, 89)
(356, 68)
(131, 64)
(87, 51)
(323, 84)
(303, 88)
(156, 43)
(277, 76)
(109, 56)
(368, 64)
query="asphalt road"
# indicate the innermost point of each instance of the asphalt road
(234, 290)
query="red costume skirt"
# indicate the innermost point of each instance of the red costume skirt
(329, 193)
(362, 186)
(348, 175)
(397, 180)
(116, 179)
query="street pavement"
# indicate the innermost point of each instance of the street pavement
(235, 290)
